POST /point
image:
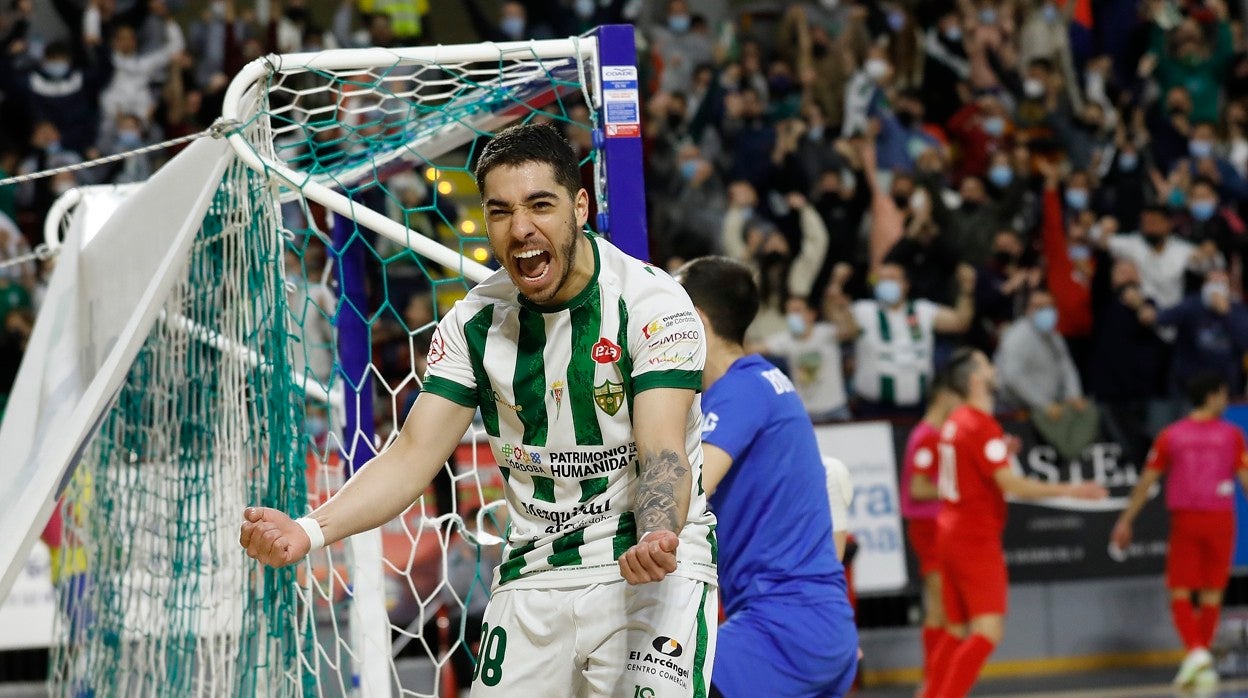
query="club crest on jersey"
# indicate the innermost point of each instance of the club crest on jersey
(609, 396)
(556, 391)
(606, 351)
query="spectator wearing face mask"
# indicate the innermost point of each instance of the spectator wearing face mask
(1124, 180)
(1204, 160)
(1162, 259)
(1218, 232)
(1069, 263)
(893, 351)
(811, 348)
(1211, 333)
(781, 271)
(903, 137)
(978, 130)
(680, 45)
(865, 96)
(1194, 56)
(1126, 383)
(971, 226)
(945, 67)
(63, 88)
(1002, 285)
(134, 72)
(1036, 372)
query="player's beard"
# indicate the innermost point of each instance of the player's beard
(566, 257)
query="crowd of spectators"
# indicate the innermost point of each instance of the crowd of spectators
(1061, 183)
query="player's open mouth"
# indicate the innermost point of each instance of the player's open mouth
(532, 264)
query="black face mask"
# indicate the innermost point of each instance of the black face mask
(772, 259)
(296, 14)
(819, 50)
(903, 202)
(1004, 259)
(1154, 239)
(906, 119)
(675, 120)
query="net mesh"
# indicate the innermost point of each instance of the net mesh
(294, 346)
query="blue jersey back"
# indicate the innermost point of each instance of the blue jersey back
(775, 524)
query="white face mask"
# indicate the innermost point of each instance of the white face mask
(1033, 88)
(876, 68)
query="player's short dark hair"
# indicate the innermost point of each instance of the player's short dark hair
(1202, 385)
(527, 143)
(724, 290)
(1159, 209)
(959, 369)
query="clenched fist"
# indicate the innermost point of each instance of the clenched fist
(651, 559)
(272, 537)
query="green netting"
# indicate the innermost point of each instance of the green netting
(157, 599)
(240, 397)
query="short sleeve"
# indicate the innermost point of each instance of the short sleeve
(995, 452)
(665, 335)
(1159, 456)
(924, 457)
(730, 418)
(926, 311)
(450, 372)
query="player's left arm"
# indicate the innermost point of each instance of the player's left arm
(660, 416)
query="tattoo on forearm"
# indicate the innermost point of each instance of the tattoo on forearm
(656, 495)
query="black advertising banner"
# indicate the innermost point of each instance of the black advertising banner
(1069, 539)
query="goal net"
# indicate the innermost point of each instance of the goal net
(288, 355)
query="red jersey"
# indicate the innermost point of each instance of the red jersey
(1200, 457)
(972, 449)
(920, 458)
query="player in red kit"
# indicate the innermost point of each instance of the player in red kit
(1200, 455)
(920, 504)
(975, 475)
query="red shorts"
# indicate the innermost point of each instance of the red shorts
(1202, 544)
(973, 579)
(922, 536)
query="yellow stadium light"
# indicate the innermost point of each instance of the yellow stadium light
(480, 254)
(444, 187)
(431, 174)
(468, 227)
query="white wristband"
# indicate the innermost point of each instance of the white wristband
(313, 529)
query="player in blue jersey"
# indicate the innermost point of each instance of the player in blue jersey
(790, 629)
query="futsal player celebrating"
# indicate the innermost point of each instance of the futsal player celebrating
(608, 573)
(790, 629)
(1200, 455)
(975, 475)
(920, 504)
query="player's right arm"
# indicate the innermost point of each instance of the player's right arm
(1155, 466)
(377, 493)
(1012, 483)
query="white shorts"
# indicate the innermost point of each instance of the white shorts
(608, 640)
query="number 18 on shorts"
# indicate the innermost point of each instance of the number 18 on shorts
(602, 641)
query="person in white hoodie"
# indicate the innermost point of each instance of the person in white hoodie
(130, 90)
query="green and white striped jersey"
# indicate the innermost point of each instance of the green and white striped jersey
(556, 387)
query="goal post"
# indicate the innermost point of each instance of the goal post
(286, 356)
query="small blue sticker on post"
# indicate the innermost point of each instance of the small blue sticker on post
(621, 102)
